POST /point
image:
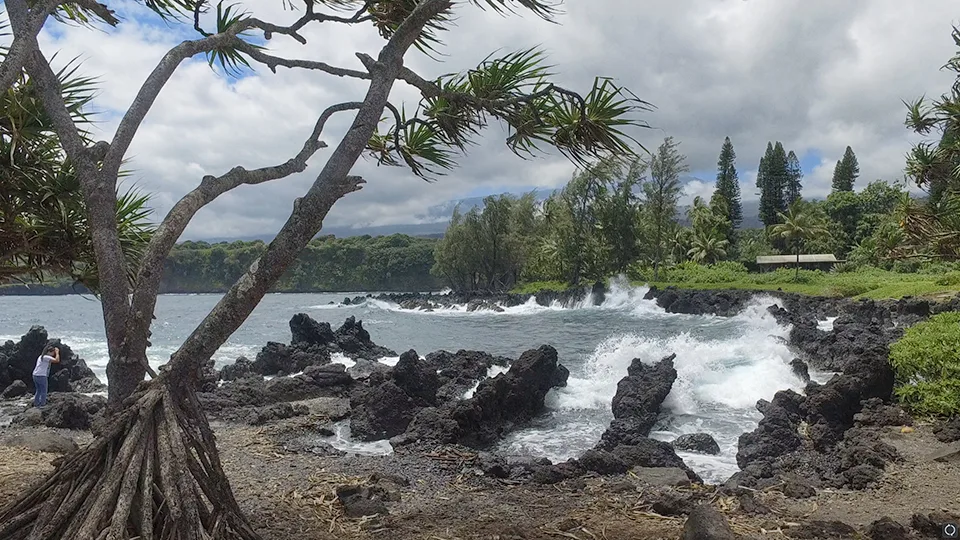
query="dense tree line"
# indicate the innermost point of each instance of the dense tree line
(385, 263)
(622, 216)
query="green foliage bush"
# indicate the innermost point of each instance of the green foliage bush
(953, 278)
(927, 364)
(691, 272)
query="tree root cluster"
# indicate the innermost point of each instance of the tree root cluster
(152, 474)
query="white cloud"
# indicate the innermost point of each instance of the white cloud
(817, 76)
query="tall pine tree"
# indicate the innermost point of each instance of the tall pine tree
(846, 171)
(728, 184)
(794, 174)
(772, 180)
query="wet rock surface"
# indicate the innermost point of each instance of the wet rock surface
(636, 405)
(64, 410)
(459, 372)
(312, 344)
(702, 443)
(498, 406)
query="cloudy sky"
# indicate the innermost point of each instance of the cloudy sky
(817, 75)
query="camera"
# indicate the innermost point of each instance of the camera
(949, 530)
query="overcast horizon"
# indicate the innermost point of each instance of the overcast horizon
(817, 76)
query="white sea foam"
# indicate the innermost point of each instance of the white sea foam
(827, 324)
(340, 358)
(341, 440)
(718, 384)
(492, 371)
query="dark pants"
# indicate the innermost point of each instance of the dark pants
(40, 394)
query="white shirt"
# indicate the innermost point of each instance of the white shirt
(43, 366)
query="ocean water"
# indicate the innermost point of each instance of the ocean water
(724, 365)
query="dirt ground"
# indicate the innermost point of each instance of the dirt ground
(290, 495)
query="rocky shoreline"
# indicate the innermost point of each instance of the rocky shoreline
(833, 436)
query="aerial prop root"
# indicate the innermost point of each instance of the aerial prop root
(153, 473)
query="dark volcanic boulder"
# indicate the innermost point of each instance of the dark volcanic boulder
(511, 398)
(706, 523)
(354, 341)
(831, 407)
(14, 390)
(416, 377)
(636, 405)
(652, 453)
(874, 412)
(460, 371)
(240, 369)
(696, 302)
(948, 430)
(390, 399)
(17, 361)
(703, 443)
(498, 405)
(273, 358)
(381, 412)
(800, 369)
(307, 331)
(776, 434)
(316, 381)
(888, 529)
(207, 377)
(72, 411)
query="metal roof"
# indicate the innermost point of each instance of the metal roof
(784, 259)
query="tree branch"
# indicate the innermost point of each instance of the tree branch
(173, 225)
(308, 214)
(273, 61)
(151, 89)
(293, 30)
(28, 22)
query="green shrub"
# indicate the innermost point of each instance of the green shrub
(538, 286)
(927, 364)
(852, 287)
(953, 278)
(691, 272)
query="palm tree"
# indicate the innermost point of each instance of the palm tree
(708, 247)
(798, 225)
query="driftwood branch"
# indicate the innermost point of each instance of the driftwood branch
(173, 225)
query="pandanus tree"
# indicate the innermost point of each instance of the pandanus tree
(153, 470)
(43, 223)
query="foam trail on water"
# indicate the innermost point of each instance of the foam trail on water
(718, 384)
(342, 441)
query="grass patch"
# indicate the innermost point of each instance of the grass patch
(862, 283)
(537, 286)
